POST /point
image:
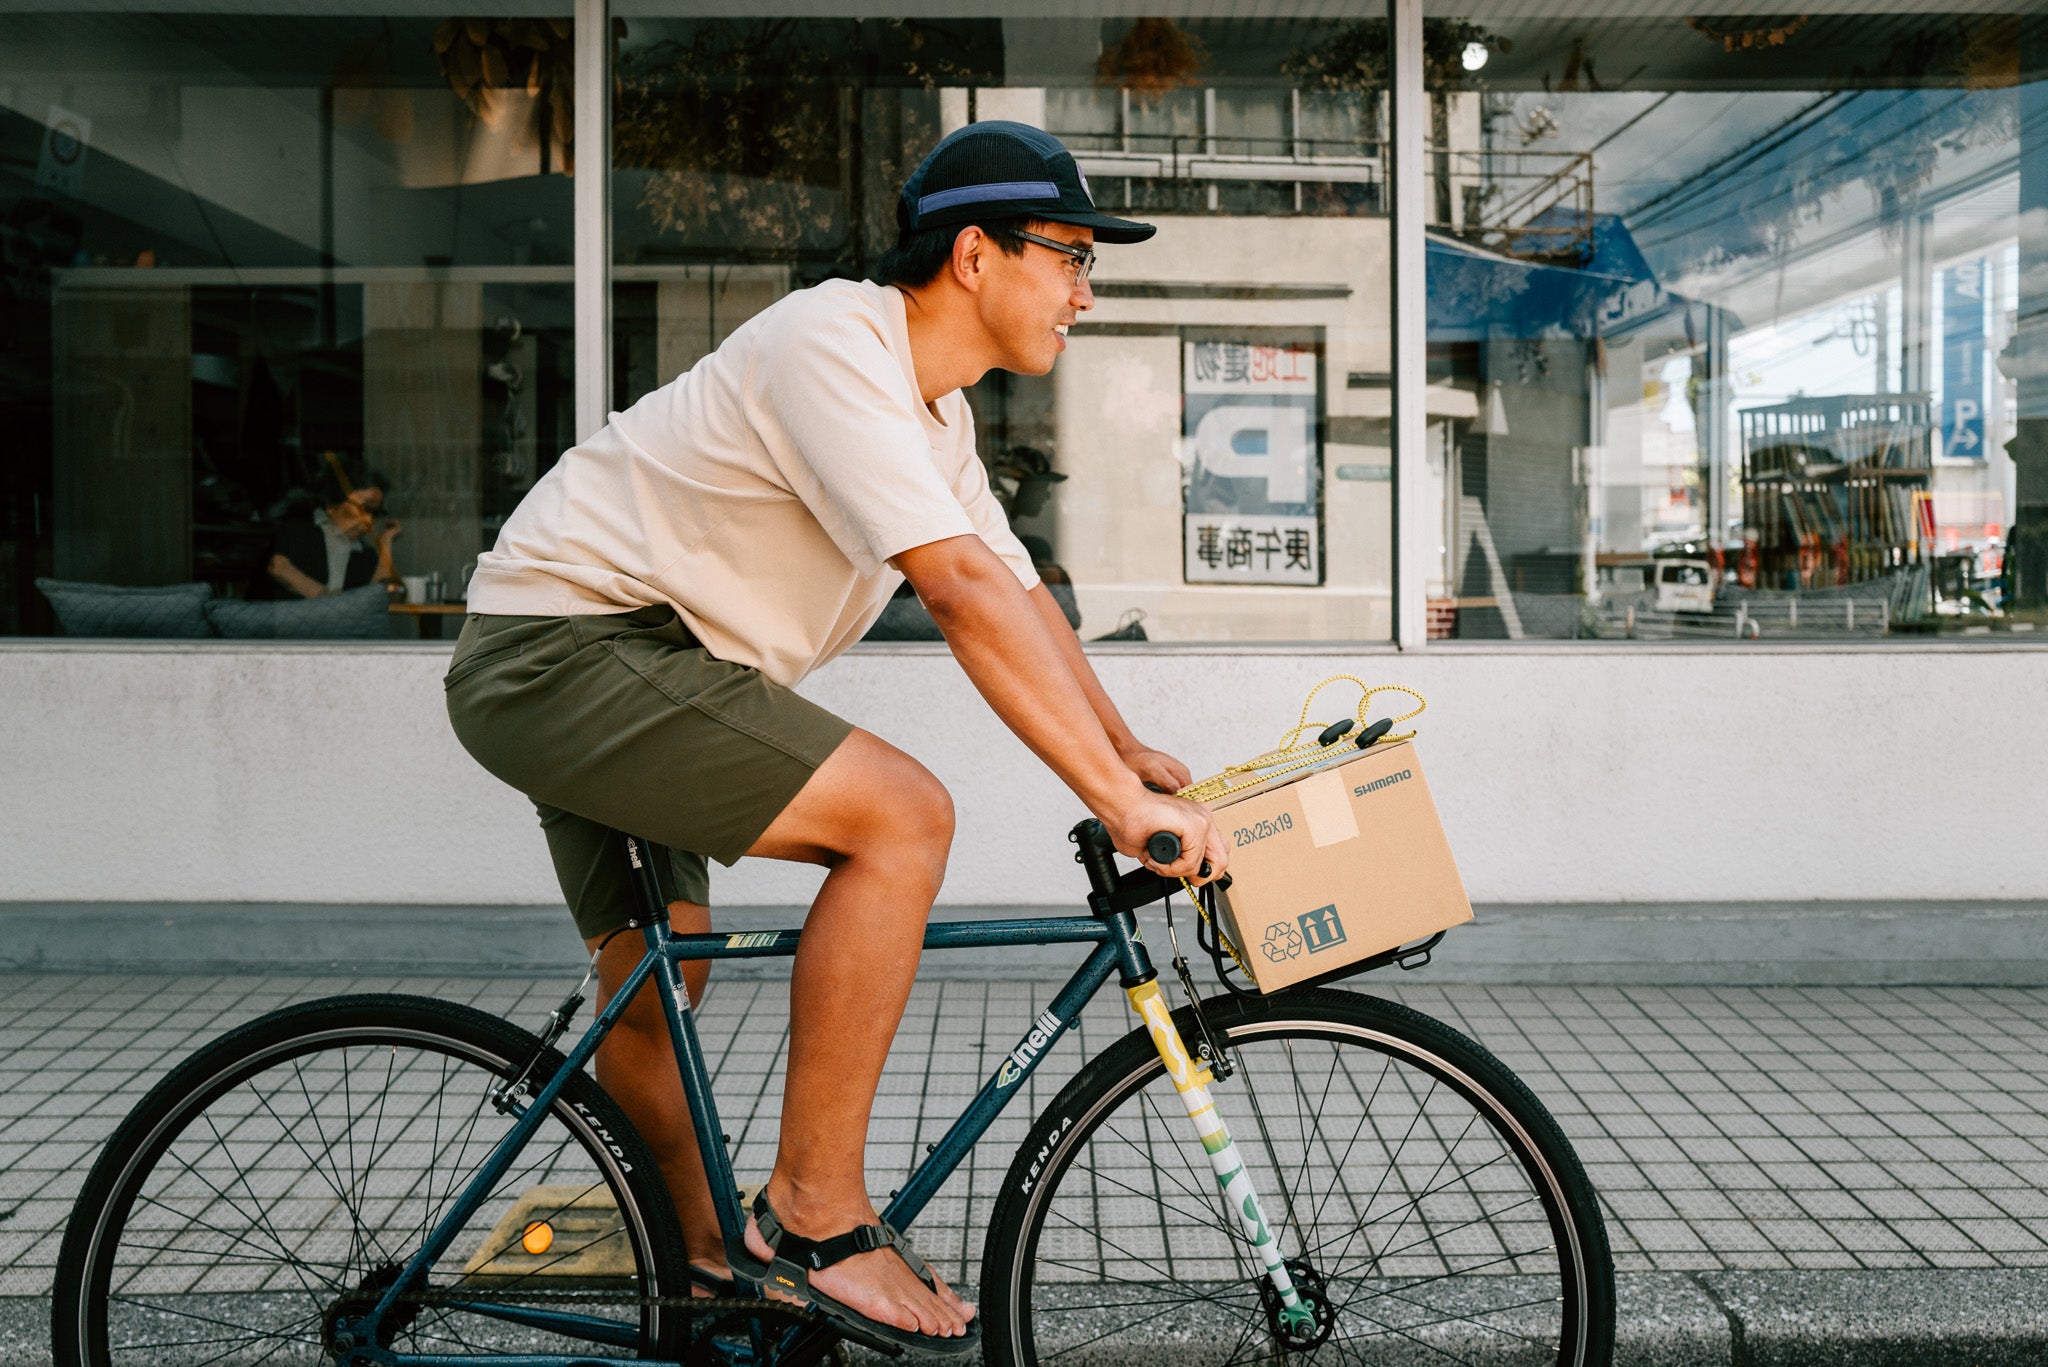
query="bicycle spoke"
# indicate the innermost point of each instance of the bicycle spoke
(258, 1213)
(282, 1251)
(1454, 1272)
(1206, 1219)
(217, 1323)
(1171, 1280)
(1310, 1124)
(1195, 1295)
(1393, 1165)
(226, 1257)
(1454, 1317)
(281, 1332)
(1364, 1114)
(1385, 1253)
(313, 1114)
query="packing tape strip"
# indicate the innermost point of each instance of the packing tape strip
(1326, 807)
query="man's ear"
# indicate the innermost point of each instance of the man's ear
(970, 250)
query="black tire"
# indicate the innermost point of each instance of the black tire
(1107, 1243)
(292, 1165)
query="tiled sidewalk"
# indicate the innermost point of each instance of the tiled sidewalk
(1726, 1128)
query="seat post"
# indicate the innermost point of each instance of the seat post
(645, 859)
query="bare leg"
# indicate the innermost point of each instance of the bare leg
(636, 1064)
(884, 826)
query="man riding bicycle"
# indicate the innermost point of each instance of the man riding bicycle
(635, 634)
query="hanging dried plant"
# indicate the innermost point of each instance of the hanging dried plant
(1155, 58)
(741, 126)
(1747, 39)
(483, 59)
(1354, 57)
(1990, 59)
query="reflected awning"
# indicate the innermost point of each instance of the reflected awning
(1479, 295)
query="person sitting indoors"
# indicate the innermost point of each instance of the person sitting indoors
(337, 547)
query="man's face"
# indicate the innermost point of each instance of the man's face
(1030, 299)
(350, 518)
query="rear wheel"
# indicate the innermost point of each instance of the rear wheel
(1429, 1208)
(268, 1191)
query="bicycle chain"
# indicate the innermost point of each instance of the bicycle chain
(707, 1304)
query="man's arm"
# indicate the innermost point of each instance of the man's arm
(295, 579)
(1009, 651)
(386, 573)
(1151, 765)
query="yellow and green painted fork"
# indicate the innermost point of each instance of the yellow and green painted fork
(1192, 1081)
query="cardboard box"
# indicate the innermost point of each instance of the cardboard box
(1336, 865)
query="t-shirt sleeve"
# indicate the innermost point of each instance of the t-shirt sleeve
(972, 489)
(300, 542)
(833, 408)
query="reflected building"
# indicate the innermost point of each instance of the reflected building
(1742, 303)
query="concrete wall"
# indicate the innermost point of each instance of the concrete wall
(1589, 773)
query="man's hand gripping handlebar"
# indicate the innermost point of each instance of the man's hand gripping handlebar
(1171, 836)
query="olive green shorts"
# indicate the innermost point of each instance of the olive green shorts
(623, 722)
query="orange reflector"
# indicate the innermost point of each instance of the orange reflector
(539, 1237)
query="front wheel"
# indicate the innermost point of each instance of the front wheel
(266, 1194)
(1428, 1207)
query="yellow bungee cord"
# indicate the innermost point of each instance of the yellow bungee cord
(1291, 754)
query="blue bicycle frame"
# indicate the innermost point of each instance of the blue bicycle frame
(1112, 929)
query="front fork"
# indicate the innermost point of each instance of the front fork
(1192, 1081)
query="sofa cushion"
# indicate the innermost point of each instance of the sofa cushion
(352, 615)
(167, 612)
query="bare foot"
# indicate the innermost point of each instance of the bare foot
(878, 1284)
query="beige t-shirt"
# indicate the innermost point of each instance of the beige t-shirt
(761, 493)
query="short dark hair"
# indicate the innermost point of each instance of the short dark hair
(918, 257)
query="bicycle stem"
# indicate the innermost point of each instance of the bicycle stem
(1192, 1081)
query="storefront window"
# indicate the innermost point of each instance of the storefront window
(1210, 460)
(1729, 325)
(250, 265)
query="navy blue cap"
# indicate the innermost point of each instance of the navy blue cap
(1000, 169)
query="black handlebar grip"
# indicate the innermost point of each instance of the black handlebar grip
(1164, 847)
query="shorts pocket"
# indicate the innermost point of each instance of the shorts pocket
(463, 668)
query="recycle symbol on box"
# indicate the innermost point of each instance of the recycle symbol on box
(1283, 942)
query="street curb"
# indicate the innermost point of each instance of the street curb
(1982, 1317)
(1747, 944)
(1972, 1317)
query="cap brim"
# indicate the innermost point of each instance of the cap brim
(1117, 231)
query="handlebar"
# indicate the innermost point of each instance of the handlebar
(1096, 850)
(1164, 847)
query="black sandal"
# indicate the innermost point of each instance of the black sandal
(794, 1258)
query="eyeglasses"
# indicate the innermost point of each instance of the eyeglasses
(1082, 257)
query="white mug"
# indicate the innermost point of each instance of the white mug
(415, 588)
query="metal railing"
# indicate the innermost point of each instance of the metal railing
(1532, 205)
(1354, 169)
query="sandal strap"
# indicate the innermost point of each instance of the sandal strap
(815, 1255)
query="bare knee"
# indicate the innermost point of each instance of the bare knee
(911, 827)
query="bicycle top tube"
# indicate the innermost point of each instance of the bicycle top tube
(1111, 895)
(771, 944)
